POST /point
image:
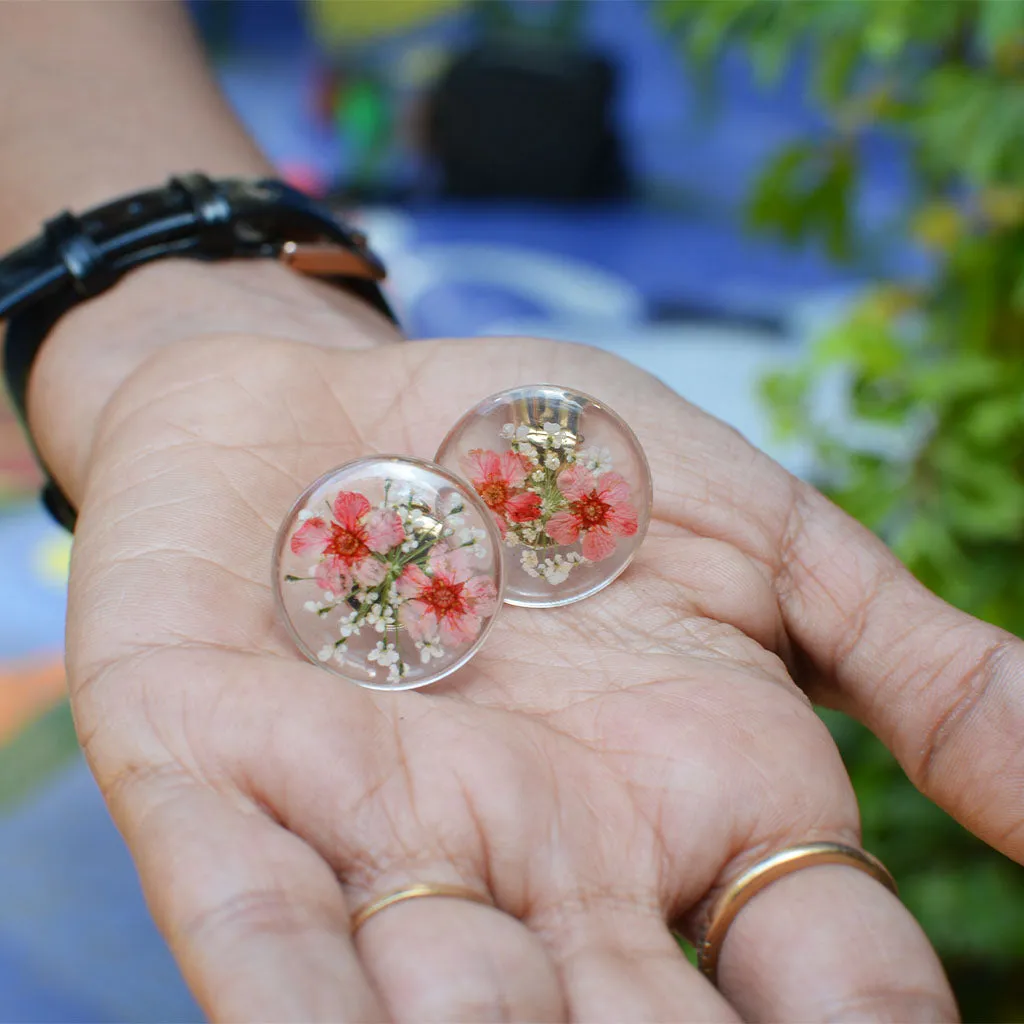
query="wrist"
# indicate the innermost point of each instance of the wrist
(98, 346)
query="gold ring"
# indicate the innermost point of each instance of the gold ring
(766, 871)
(413, 892)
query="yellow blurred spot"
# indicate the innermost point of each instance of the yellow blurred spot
(52, 560)
(887, 302)
(339, 22)
(1009, 55)
(1003, 206)
(938, 226)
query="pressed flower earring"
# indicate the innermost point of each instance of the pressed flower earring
(388, 571)
(566, 483)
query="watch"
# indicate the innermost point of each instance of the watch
(78, 257)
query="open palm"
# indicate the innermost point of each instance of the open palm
(598, 771)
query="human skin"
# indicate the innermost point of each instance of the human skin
(600, 771)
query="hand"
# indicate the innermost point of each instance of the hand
(599, 770)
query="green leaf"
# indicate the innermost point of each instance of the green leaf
(996, 421)
(1000, 22)
(961, 375)
(834, 68)
(1017, 296)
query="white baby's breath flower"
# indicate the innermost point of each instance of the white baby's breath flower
(380, 617)
(450, 504)
(537, 475)
(556, 436)
(528, 560)
(325, 653)
(552, 461)
(429, 648)
(529, 451)
(508, 431)
(312, 606)
(512, 540)
(522, 432)
(398, 495)
(395, 672)
(383, 654)
(597, 460)
(304, 514)
(555, 571)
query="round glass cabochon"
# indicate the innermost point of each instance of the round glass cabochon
(567, 484)
(387, 571)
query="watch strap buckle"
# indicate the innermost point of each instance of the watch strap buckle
(321, 259)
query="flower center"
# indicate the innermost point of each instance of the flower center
(495, 494)
(445, 597)
(591, 510)
(345, 544)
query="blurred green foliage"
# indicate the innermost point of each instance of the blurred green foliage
(931, 455)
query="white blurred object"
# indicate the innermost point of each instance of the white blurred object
(717, 367)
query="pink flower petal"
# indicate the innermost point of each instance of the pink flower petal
(482, 594)
(563, 528)
(451, 566)
(513, 468)
(481, 465)
(623, 520)
(522, 508)
(575, 482)
(418, 619)
(412, 581)
(598, 544)
(369, 572)
(384, 530)
(613, 489)
(313, 533)
(456, 630)
(349, 508)
(331, 574)
(501, 524)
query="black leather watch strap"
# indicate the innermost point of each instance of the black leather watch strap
(190, 217)
(78, 257)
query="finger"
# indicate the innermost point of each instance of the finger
(442, 959)
(376, 792)
(830, 943)
(944, 691)
(256, 920)
(621, 964)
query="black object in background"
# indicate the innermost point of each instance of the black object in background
(509, 120)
